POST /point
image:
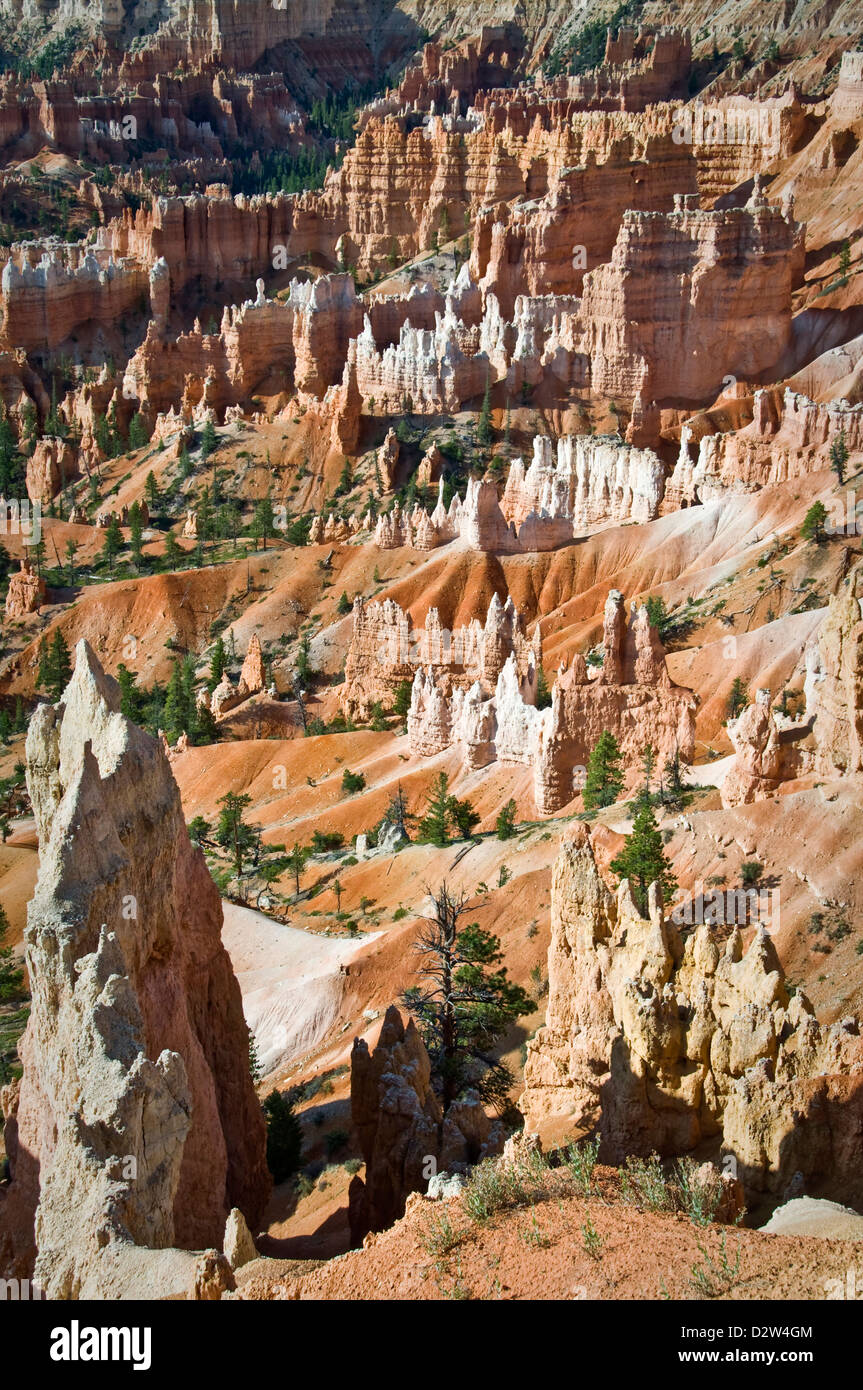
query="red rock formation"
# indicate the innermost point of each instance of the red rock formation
(640, 68)
(26, 592)
(252, 675)
(689, 297)
(788, 436)
(766, 753)
(386, 650)
(51, 466)
(403, 1134)
(633, 698)
(45, 303)
(834, 681)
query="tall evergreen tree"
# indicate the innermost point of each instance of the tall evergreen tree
(604, 781)
(284, 1136)
(465, 1004)
(398, 814)
(136, 536)
(839, 455)
(209, 440)
(11, 975)
(738, 698)
(484, 431)
(113, 543)
(643, 861)
(232, 832)
(543, 694)
(264, 522)
(55, 666)
(175, 715)
(814, 522)
(434, 826)
(218, 663)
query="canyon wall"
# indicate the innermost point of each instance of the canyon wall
(789, 435)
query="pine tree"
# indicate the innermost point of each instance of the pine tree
(175, 705)
(205, 525)
(344, 604)
(296, 863)
(129, 693)
(839, 455)
(11, 976)
(814, 522)
(103, 437)
(113, 543)
(505, 823)
(218, 662)
(138, 434)
(186, 466)
(136, 535)
(543, 694)
(205, 728)
(644, 796)
(55, 666)
(37, 555)
(738, 698)
(434, 826)
(676, 787)
(71, 552)
(209, 440)
(174, 553)
(604, 781)
(232, 833)
(463, 817)
(466, 1003)
(8, 453)
(643, 861)
(151, 492)
(398, 814)
(304, 665)
(402, 699)
(264, 521)
(484, 432)
(254, 1060)
(658, 614)
(284, 1137)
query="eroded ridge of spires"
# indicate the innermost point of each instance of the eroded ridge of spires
(664, 1040)
(633, 697)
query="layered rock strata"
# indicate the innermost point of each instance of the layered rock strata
(385, 650)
